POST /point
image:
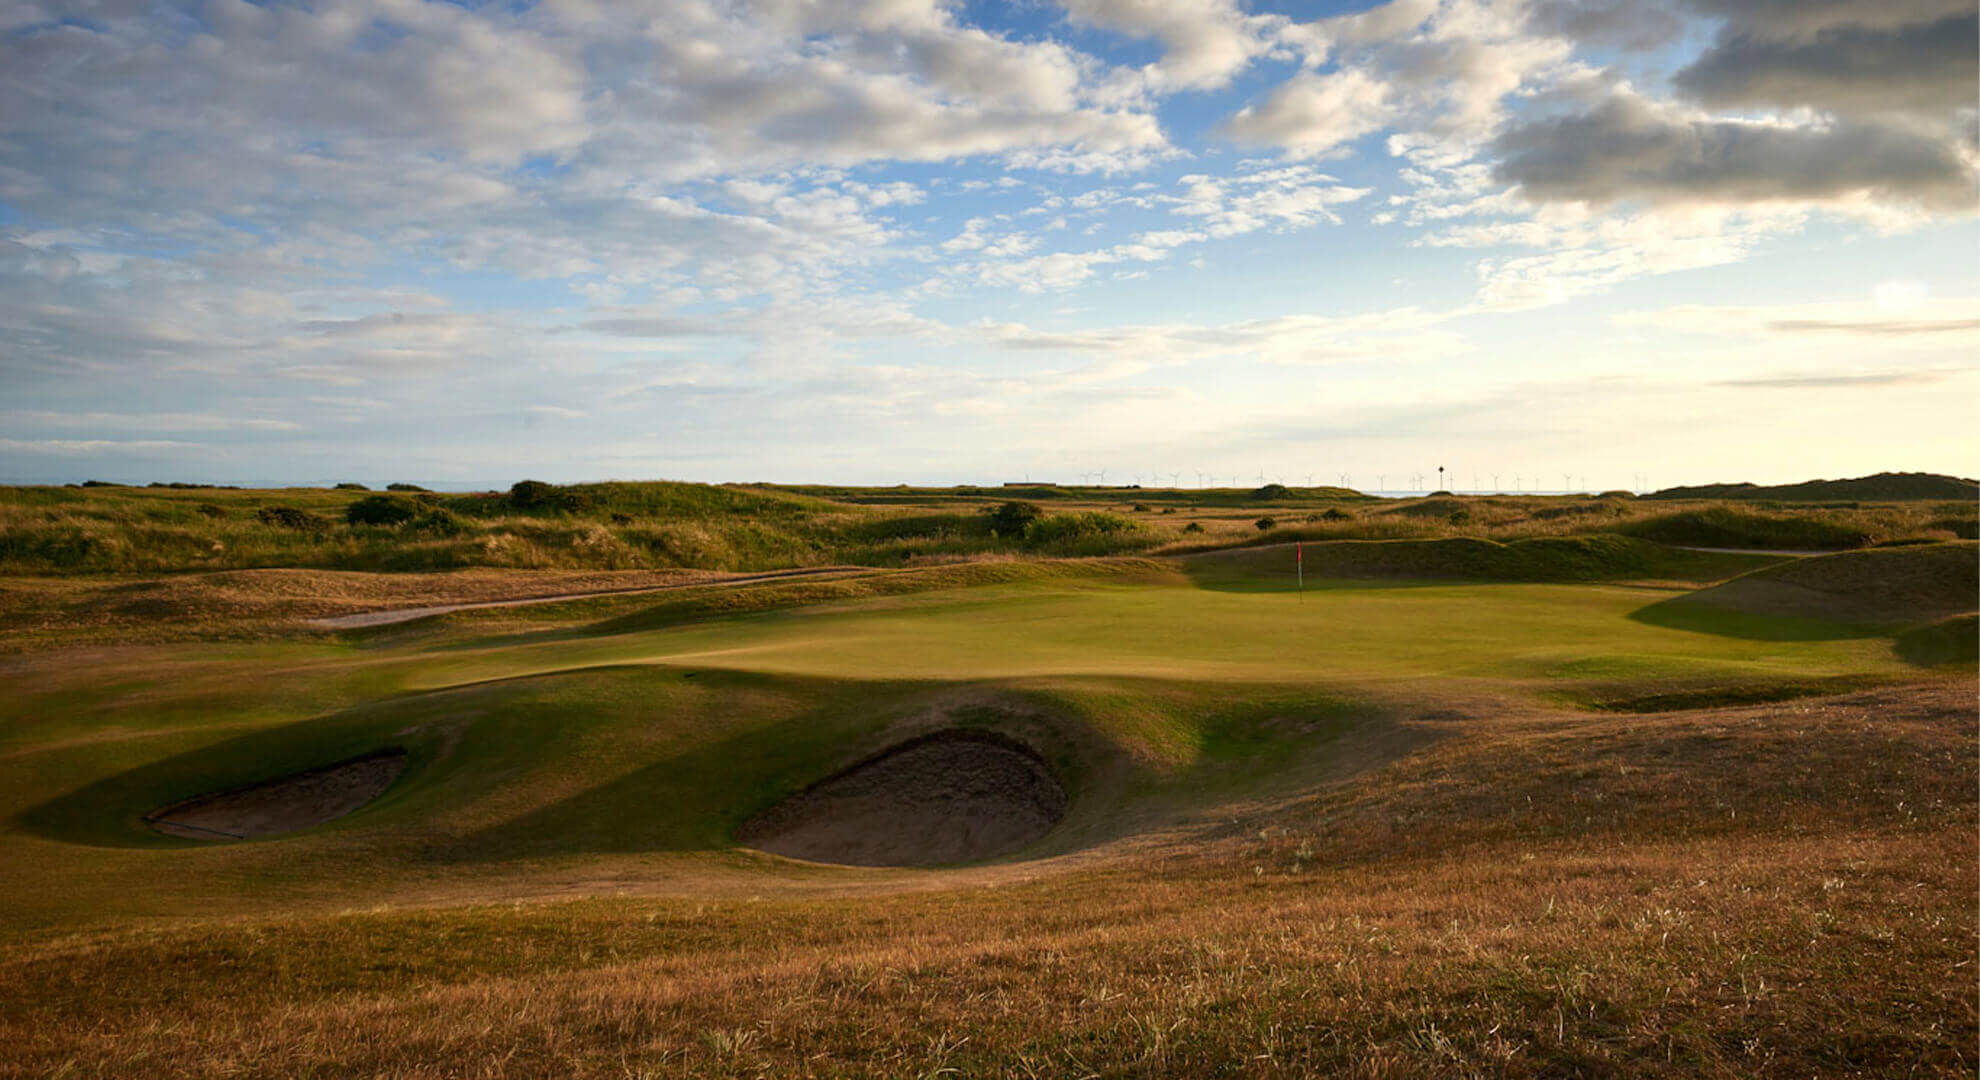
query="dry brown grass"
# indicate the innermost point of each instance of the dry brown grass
(1784, 890)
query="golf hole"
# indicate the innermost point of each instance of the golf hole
(284, 805)
(952, 796)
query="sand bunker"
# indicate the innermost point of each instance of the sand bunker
(285, 805)
(949, 797)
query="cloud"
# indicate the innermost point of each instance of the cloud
(1632, 149)
(1441, 69)
(1311, 114)
(1846, 66)
(1205, 42)
(1400, 334)
(1919, 323)
(1626, 24)
(1835, 381)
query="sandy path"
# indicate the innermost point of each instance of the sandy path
(1792, 553)
(364, 619)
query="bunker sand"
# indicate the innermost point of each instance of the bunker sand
(948, 797)
(286, 805)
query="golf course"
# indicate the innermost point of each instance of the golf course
(1554, 804)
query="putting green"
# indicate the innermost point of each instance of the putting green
(1337, 633)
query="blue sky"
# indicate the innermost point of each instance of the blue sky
(880, 241)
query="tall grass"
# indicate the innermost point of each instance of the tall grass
(661, 525)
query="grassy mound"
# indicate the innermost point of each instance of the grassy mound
(1949, 641)
(1733, 527)
(1883, 487)
(1548, 558)
(1877, 586)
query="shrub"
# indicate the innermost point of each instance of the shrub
(381, 510)
(1062, 529)
(350, 486)
(404, 487)
(1014, 518)
(1335, 513)
(1459, 517)
(1193, 527)
(1265, 524)
(1140, 508)
(212, 511)
(437, 521)
(621, 519)
(1271, 491)
(289, 517)
(529, 494)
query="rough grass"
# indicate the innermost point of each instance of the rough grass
(662, 525)
(1724, 893)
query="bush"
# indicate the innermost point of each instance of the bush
(1140, 508)
(437, 521)
(1193, 527)
(1459, 517)
(530, 494)
(621, 519)
(404, 487)
(212, 511)
(1066, 529)
(1271, 491)
(381, 510)
(1266, 524)
(1014, 518)
(350, 486)
(1335, 513)
(289, 517)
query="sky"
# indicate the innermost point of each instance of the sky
(1539, 243)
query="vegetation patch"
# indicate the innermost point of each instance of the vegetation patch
(1736, 527)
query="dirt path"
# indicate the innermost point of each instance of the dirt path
(1793, 553)
(365, 619)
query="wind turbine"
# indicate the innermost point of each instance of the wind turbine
(1517, 486)
(1495, 483)
(1344, 480)
(1381, 481)
(1567, 483)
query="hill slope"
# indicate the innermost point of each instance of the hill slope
(1883, 487)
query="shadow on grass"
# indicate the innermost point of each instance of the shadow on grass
(1690, 613)
(111, 812)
